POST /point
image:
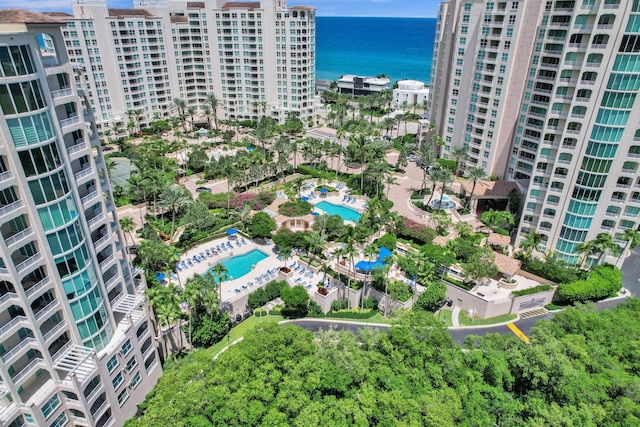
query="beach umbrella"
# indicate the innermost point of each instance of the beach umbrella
(324, 190)
(232, 231)
(160, 276)
(304, 198)
(315, 213)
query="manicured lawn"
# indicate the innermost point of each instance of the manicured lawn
(444, 316)
(241, 330)
(462, 319)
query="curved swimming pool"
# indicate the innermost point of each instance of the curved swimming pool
(345, 213)
(239, 265)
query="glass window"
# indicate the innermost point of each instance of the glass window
(131, 363)
(126, 348)
(117, 381)
(123, 396)
(112, 363)
(51, 405)
(135, 380)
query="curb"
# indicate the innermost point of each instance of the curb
(347, 322)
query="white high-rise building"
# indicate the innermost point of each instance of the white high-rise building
(480, 51)
(571, 120)
(76, 340)
(256, 57)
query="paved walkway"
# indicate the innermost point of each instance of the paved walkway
(454, 317)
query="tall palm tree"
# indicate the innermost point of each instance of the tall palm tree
(605, 243)
(221, 273)
(181, 106)
(212, 102)
(127, 226)
(632, 238)
(389, 180)
(207, 112)
(191, 111)
(532, 241)
(173, 198)
(192, 294)
(243, 215)
(370, 252)
(585, 249)
(350, 252)
(445, 179)
(459, 154)
(320, 223)
(474, 173)
(436, 177)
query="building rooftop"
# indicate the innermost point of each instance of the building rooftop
(498, 239)
(22, 16)
(195, 5)
(242, 5)
(489, 188)
(120, 13)
(506, 265)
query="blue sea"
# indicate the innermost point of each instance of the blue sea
(401, 48)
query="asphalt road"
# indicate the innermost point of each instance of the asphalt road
(458, 334)
(631, 272)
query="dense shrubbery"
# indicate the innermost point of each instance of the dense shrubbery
(580, 369)
(286, 238)
(605, 281)
(293, 209)
(415, 231)
(432, 298)
(447, 164)
(399, 290)
(261, 296)
(388, 241)
(556, 271)
(531, 291)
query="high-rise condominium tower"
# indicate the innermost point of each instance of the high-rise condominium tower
(76, 342)
(256, 57)
(575, 125)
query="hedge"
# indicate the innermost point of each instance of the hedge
(604, 281)
(534, 290)
(457, 283)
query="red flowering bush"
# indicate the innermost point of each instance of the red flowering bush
(415, 231)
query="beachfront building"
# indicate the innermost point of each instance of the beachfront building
(410, 93)
(76, 340)
(480, 52)
(256, 57)
(577, 142)
(358, 85)
(573, 139)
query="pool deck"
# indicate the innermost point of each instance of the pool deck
(250, 281)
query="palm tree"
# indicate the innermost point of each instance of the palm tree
(498, 219)
(207, 112)
(321, 223)
(474, 173)
(370, 252)
(445, 178)
(192, 294)
(212, 102)
(173, 198)
(220, 272)
(532, 241)
(285, 252)
(243, 215)
(632, 238)
(350, 252)
(605, 243)
(585, 249)
(389, 180)
(315, 241)
(181, 106)
(437, 176)
(459, 154)
(127, 226)
(191, 111)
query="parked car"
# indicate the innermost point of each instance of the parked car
(246, 313)
(201, 189)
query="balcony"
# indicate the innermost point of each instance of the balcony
(101, 242)
(7, 357)
(12, 323)
(9, 296)
(47, 309)
(85, 171)
(89, 198)
(60, 95)
(5, 176)
(96, 219)
(28, 262)
(27, 370)
(111, 281)
(53, 331)
(79, 146)
(16, 238)
(104, 264)
(69, 122)
(10, 208)
(42, 284)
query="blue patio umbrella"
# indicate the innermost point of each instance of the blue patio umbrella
(232, 231)
(160, 276)
(249, 148)
(315, 213)
(304, 198)
(324, 190)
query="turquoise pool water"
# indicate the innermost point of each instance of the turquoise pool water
(345, 213)
(240, 265)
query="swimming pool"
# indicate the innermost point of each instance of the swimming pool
(240, 265)
(345, 213)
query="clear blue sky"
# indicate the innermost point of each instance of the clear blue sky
(392, 8)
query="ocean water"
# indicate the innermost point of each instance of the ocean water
(401, 48)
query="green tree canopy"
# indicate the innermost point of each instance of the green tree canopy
(261, 225)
